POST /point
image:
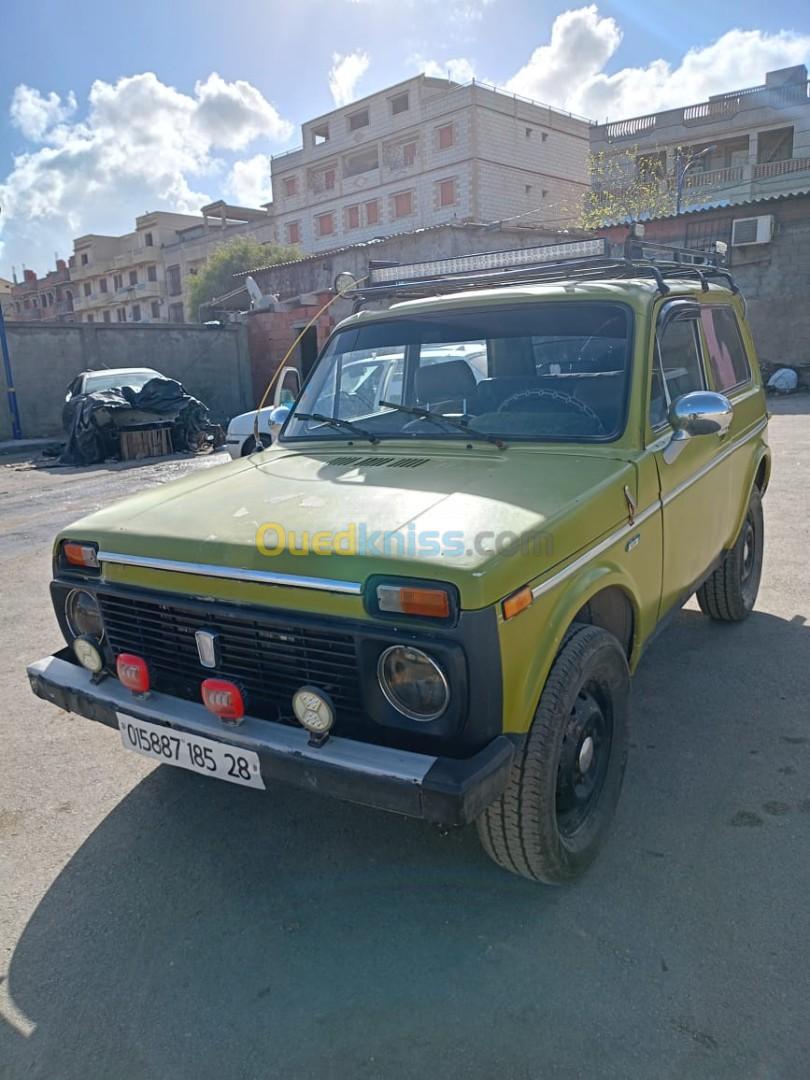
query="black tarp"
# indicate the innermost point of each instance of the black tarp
(98, 419)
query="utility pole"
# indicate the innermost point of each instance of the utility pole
(11, 393)
(682, 166)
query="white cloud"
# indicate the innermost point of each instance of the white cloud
(248, 182)
(460, 69)
(344, 75)
(569, 70)
(34, 113)
(142, 145)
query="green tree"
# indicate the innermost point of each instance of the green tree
(234, 256)
(627, 185)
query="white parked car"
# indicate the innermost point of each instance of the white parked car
(240, 438)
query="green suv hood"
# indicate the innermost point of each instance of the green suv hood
(486, 520)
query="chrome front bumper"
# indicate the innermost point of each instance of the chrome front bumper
(445, 790)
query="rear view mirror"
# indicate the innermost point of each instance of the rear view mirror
(701, 412)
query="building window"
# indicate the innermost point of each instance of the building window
(363, 162)
(293, 232)
(358, 120)
(400, 104)
(329, 179)
(445, 136)
(176, 313)
(409, 153)
(320, 135)
(44, 300)
(87, 288)
(136, 312)
(173, 280)
(107, 316)
(403, 204)
(447, 193)
(325, 224)
(90, 318)
(702, 234)
(118, 282)
(121, 314)
(155, 309)
(151, 273)
(133, 277)
(291, 186)
(352, 217)
(148, 240)
(373, 213)
(775, 145)
(85, 258)
(102, 284)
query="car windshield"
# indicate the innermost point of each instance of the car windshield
(546, 371)
(111, 380)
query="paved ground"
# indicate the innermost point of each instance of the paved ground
(154, 924)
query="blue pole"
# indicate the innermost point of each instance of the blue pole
(11, 393)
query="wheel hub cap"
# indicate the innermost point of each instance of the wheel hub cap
(586, 752)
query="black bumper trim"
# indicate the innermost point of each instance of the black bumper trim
(443, 790)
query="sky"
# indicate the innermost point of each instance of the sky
(108, 110)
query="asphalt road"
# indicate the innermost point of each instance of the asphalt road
(155, 924)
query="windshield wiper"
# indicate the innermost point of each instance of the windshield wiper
(440, 418)
(336, 422)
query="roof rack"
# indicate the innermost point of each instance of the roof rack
(577, 260)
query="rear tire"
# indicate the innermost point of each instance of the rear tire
(552, 819)
(730, 593)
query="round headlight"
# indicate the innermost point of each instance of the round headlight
(82, 615)
(413, 683)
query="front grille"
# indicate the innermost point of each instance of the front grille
(267, 661)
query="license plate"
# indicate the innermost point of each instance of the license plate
(192, 752)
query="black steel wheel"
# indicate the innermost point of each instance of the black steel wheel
(554, 816)
(730, 593)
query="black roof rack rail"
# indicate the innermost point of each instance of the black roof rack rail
(578, 260)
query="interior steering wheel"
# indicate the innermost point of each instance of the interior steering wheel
(566, 400)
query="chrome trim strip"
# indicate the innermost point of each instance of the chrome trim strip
(659, 504)
(593, 552)
(233, 573)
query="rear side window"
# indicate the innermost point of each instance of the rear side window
(725, 348)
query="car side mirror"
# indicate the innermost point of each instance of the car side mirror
(279, 414)
(701, 412)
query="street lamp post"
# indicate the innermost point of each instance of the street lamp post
(682, 167)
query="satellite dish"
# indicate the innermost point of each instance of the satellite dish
(255, 293)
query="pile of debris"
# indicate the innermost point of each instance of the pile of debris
(159, 418)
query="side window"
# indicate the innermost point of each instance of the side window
(678, 368)
(724, 344)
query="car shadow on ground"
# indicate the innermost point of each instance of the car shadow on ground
(204, 931)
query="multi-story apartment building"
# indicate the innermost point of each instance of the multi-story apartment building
(6, 303)
(188, 252)
(425, 152)
(736, 147)
(124, 278)
(37, 299)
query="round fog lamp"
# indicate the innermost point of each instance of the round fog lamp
(313, 709)
(83, 615)
(88, 654)
(413, 683)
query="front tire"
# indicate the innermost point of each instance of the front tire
(730, 593)
(552, 819)
(250, 444)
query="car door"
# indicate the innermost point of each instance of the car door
(696, 502)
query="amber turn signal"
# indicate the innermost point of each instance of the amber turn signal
(433, 603)
(517, 602)
(80, 554)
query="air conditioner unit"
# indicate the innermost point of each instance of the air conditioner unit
(752, 230)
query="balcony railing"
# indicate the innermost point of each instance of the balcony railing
(712, 178)
(767, 169)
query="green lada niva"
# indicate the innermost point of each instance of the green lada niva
(429, 594)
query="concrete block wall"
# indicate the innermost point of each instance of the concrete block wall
(212, 364)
